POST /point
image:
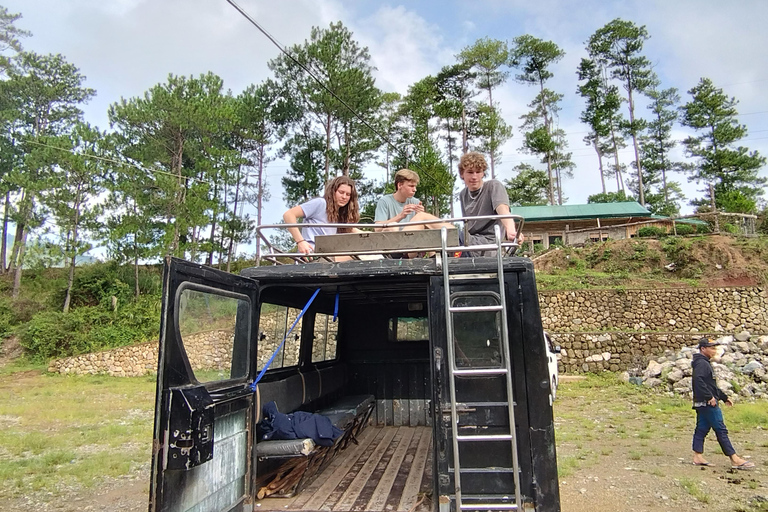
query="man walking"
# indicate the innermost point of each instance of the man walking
(706, 396)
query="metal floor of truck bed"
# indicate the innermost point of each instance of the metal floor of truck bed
(389, 470)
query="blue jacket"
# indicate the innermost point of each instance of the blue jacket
(297, 425)
(704, 385)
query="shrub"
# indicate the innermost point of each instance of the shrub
(53, 334)
(730, 228)
(651, 232)
(685, 229)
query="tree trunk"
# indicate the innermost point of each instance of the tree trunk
(136, 290)
(599, 161)
(4, 243)
(19, 266)
(327, 148)
(214, 217)
(73, 247)
(490, 104)
(617, 168)
(634, 144)
(450, 164)
(549, 153)
(259, 200)
(464, 134)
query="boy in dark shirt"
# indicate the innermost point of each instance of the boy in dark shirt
(706, 396)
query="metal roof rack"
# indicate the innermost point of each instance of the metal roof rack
(367, 243)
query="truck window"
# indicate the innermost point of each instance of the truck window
(325, 337)
(210, 327)
(477, 334)
(408, 329)
(274, 322)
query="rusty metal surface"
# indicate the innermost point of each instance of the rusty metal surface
(219, 483)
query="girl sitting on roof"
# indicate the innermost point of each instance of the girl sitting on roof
(338, 205)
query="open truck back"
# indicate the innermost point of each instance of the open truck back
(435, 370)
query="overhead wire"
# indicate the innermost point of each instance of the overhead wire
(306, 69)
(112, 160)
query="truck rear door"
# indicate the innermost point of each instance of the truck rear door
(203, 433)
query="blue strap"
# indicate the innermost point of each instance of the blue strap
(336, 307)
(272, 358)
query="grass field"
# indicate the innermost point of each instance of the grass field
(83, 443)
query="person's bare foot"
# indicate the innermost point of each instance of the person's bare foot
(699, 460)
(740, 462)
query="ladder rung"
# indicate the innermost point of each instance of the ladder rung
(486, 437)
(470, 309)
(484, 470)
(488, 506)
(481, 371)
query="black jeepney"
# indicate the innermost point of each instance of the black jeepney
(414, 360)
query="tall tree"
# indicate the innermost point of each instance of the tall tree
(10, 37)
(529, 187)
(487, 57)
(348, 90)
(176, 130)
(655, 148)
(46, 93)
(77, 181)
(602, 116)
(618, 46)
(550, 145)
(732, 169)
(263, 114)
(533, 56)
(457, 111)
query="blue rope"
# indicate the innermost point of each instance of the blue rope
(272, 358)
(336, 307)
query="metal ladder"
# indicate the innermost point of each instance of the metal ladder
(510, 437)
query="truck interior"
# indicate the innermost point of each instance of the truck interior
(426, 425)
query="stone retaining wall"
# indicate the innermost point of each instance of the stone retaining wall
(616, 351)
(675, 309)
(598, 330)
(210, 350)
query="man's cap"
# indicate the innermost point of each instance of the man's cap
(706, 342)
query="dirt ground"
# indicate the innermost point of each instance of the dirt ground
(618, 450)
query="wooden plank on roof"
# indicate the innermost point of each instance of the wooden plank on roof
(406, 240)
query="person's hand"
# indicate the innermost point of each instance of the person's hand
(728, 403)
(512, 233)
(304, 247)
(712, 401)
(412, 208)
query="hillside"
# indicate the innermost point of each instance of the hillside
(106, 315)
(648, 263)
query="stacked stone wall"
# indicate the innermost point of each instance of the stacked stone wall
(598, 330)
(210, 350)
(675, 309)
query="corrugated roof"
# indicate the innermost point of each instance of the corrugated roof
(695, 222)
(581, 211)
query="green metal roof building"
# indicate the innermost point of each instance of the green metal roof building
(578, 223)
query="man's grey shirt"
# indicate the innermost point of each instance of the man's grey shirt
(479, 203)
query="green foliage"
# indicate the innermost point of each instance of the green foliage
(610, 197)
(651, 232)
(51, 334)
(684, 229)
(734, 170)
(730, 228)
(528, 188)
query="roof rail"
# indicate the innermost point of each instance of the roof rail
(370, 241)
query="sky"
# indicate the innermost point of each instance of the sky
(124, 47)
